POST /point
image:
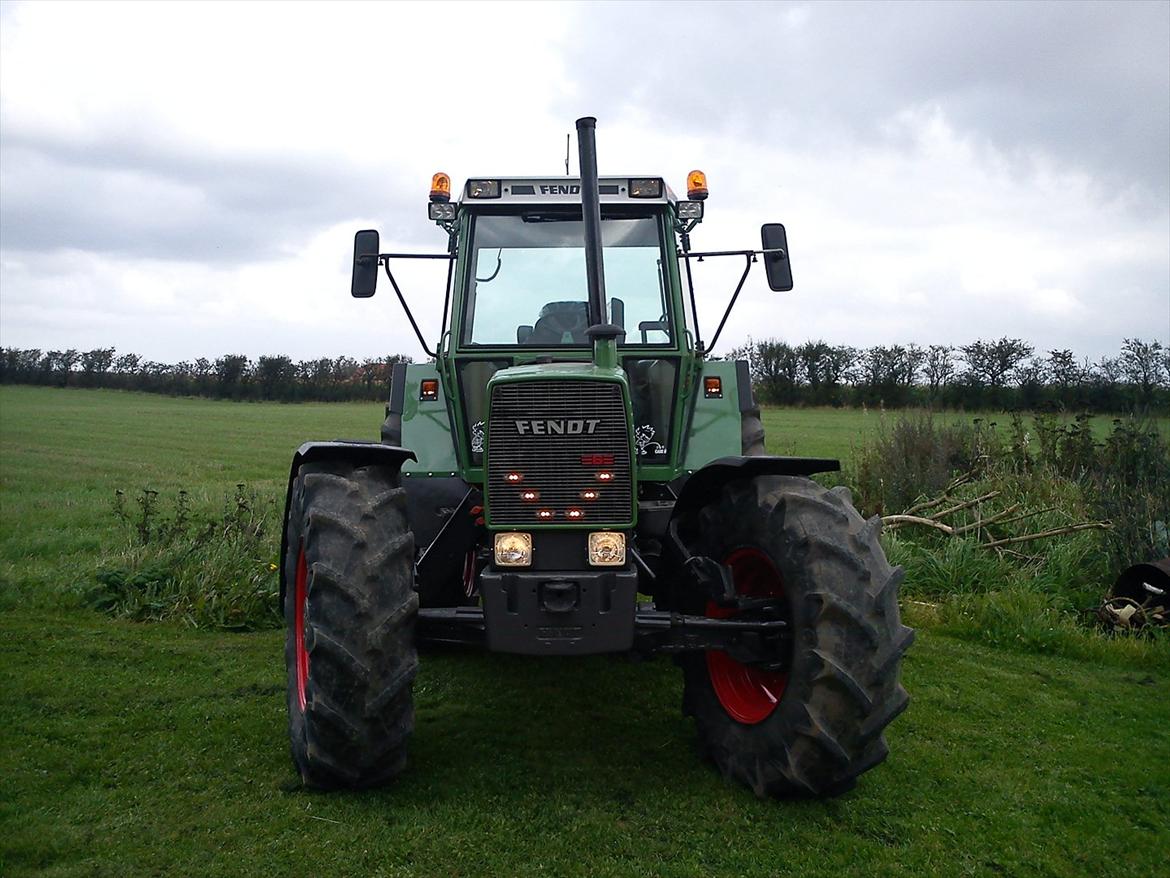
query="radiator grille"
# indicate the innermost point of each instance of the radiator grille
(558, 435)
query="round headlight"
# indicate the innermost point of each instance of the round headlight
(514, 549)
(607, 549)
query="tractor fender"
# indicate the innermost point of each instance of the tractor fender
(341, 451)
(705, 483)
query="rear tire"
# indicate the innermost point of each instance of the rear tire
(392, 428)
(751, 433)
(350, 608)
(818, 729)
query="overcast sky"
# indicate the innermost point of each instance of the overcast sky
(184, 180)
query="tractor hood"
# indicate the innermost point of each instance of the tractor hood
(570, 371)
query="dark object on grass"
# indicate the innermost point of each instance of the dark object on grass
(1140, 598)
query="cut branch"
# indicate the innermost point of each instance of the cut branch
(966, 505)
(895, 520)
(957, 482)
(1055, 532)
(996, 518)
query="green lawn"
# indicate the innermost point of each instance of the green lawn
(152, 749)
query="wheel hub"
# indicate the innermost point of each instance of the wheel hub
(748, 694)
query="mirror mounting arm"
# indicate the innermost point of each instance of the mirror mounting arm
(452, 248)
(385, 258)
(686, 247)
(749, 257)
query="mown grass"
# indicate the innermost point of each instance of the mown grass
(64, 453)
(130, 749)
(139, 750)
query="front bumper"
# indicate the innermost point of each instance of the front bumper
(559, 612)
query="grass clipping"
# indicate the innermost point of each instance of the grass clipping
(206, 568)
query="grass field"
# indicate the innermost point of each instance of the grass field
(152, 749)
(63, 454)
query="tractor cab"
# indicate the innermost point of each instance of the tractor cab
(521, 295)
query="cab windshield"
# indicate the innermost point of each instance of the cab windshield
(529, 285)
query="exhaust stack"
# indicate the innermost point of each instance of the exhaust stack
(603, 333)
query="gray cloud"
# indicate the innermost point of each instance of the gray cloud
(210, 208)
(135, 193)
(1086, 84)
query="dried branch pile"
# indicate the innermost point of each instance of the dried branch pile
(928, 514)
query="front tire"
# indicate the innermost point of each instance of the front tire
(349, 609)
(817, 726)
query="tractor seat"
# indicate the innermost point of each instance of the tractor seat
(560, 323)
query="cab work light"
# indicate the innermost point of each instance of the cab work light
(441, 210)
(646, 188)
(689, 210)
(483, 188)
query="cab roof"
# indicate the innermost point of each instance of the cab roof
(563, 190)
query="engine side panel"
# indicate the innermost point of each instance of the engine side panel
(714, 429)
(426, 425)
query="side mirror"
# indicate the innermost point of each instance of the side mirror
(776, 263)
(365, 264)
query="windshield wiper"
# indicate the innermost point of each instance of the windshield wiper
(492, 276)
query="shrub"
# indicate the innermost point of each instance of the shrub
(1131, 488)
(206, 570)
(915, 456)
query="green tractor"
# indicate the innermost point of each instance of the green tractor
(573, 474)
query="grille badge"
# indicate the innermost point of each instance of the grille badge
(551, 427)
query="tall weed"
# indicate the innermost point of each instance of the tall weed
(207, 569)
(916, 456)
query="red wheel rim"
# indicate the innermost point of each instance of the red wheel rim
(748, 694)
(302, 654)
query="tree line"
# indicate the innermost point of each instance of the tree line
(1004, 373)
(233, 376)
